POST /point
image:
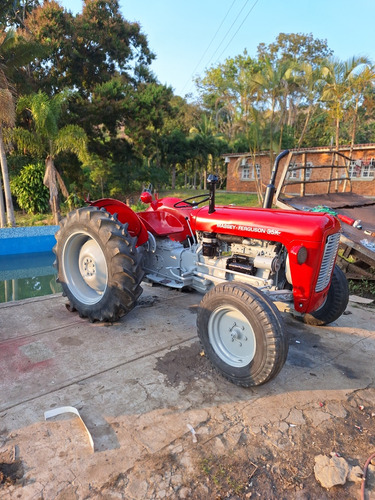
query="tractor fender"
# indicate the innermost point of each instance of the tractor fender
(126, 216)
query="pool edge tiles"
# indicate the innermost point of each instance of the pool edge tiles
(21, 240)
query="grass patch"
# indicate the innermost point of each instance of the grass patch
(222, 478)
(221, 197)
(363, 288)
(24, 219)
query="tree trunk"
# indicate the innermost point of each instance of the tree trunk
(354, 130)
(337, 132)
(173, 177)
(3, 220)
(281, 137)
(51, 182)
(8, 195)
(271, 135)
(304, 128)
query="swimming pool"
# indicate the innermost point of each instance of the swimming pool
(26, 263)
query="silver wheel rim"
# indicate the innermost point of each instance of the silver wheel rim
(85, 268)
(231, 336)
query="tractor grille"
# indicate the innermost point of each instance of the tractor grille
(328, 260)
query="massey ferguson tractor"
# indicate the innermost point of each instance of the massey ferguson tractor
(250, 263)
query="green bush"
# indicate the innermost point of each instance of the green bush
(31, 194)
(74, 201)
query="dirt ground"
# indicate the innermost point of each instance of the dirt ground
(193, 435)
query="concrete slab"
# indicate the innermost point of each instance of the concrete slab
(140, 382)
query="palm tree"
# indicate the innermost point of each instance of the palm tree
(362, 82)
(310, 82)
(338, 89)
(206, 144)
(46, 139)
(255, 137)
(7, 119)
(271, 82)
(15, 53)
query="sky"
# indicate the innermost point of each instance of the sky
(191, 36)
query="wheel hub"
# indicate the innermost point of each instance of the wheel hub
(237, 334)
(85, 268)
(92, 266)
(88, 267)
(232, 336)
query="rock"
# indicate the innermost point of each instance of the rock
(336, 409)
(283, 427)
(360, 300)
(295, 417)
(317, 417)
(218, 446)
(184, 492)
(331, 471)
(355, 474)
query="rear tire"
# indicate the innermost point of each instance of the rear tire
(98, 265)
(242, 334)
(335, 304)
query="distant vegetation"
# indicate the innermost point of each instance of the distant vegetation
(87, 106)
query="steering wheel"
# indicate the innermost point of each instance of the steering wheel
(187, 203)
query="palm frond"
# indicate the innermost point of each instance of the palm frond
(27, 141)
(73, 138)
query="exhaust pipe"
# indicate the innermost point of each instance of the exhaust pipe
(270, 190)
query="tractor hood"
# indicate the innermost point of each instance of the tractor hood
(265, 224)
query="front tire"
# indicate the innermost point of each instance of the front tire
(335, 304)
(98, 264)
(242, 334)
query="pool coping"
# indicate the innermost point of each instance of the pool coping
(24, 240)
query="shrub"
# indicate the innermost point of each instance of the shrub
(31, 194)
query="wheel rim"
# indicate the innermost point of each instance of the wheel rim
(85, 268)
(232, 336)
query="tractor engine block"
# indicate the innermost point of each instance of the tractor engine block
(214, 258)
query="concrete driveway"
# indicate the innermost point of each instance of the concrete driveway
(157, 411)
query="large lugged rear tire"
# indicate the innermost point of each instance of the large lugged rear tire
(242, 334)
(335, 304)
(98, 265)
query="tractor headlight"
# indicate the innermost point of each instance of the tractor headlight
(300, 252)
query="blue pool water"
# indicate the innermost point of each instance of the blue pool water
(27, 275)
(26, 263)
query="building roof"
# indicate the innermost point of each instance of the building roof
(317, 149)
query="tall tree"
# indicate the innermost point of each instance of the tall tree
(271, 82)
(310, 82)
(306, 54)
(15, 53)
(45, 138)
(338, 89)
(228, 91)
(87, 49)
(7, 118)
(14, 12)
(299, 47)
(208, 147)
(363, 83)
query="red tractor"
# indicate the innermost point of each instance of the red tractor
(249, 262)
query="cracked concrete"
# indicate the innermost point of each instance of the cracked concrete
(141, 384)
